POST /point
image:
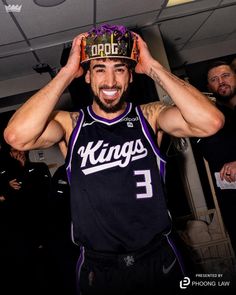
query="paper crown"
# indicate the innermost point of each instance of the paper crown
(109, 41)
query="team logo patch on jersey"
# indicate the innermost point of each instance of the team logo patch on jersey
(130, 124)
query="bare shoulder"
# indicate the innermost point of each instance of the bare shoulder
(152, 110)
(66, 119)
(74, 118)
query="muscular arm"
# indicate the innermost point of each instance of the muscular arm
(34, 125)
(192, 114)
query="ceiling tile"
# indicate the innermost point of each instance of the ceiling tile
(16, 66)
(189, 8)
(57, 38)
(178, 31)
(221, 22)
(8, 30)
(108, 10)
(136, 21)
(36, 21)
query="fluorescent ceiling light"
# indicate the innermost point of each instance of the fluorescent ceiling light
(48, 3)
(177, 2)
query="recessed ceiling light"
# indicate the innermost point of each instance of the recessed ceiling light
(48, 3)
(177, 2)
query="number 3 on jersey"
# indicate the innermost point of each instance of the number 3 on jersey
(145, 183)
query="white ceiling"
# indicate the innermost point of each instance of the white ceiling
(191, 32)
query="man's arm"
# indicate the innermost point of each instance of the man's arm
(192, 114)
(34, 125)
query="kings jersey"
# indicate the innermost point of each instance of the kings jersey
(115, 172)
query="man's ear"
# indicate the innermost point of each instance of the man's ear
(87, 77)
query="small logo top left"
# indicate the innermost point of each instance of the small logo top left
(13, 8)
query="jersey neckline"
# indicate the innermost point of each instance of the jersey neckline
(107, 121)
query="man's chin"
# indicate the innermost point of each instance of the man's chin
(109, 106)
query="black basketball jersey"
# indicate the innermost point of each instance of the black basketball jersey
(114, 169)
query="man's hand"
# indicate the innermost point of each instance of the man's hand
(228, 172)
(145, 58)
(73, 64)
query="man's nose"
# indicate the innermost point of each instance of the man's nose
(110, 79)
(220, 80)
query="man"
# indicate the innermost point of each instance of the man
(119, 214)
(27, 187)
(220, 149)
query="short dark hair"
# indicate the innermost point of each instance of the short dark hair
(215, 64)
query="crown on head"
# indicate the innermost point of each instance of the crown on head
(108, 41)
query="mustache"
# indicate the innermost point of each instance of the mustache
(223, 84)
(109, 87)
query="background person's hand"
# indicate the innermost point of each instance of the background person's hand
(228, 172)
(15, 184)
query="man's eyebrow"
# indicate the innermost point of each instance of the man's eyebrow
(98, 66)
(121, 65)
(103, 66)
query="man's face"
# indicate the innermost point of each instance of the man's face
(109, 79)
(222, 82)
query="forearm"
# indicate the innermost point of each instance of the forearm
(30, 120)
(200, 115)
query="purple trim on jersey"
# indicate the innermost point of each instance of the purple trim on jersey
(152, 143)
(73, 139)
(78, 269)
(106, 121)
(178, 256)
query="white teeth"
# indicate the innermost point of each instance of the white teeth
(109, 92)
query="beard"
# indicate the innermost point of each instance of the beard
(112, 108)
(225, 98)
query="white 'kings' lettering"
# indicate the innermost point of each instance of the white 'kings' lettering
(101, 156)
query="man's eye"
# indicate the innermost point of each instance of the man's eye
(226, 75)
(213, 80)
(120, 70)
(99, 70)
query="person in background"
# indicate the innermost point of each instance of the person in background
(220, 149)
(120, 219)
(26, 192)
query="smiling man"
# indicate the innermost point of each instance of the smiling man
(220, 149)
(115, 169)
